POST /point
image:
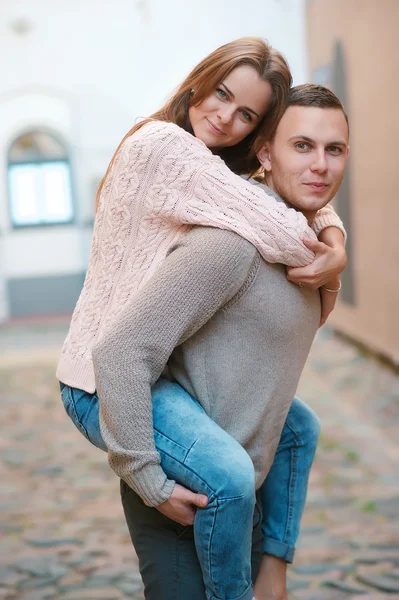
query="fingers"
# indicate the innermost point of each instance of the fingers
(199, 500)
(303, 275)
(315, 245)
(295, 274)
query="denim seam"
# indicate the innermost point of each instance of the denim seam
(293, 478)
(288, 550)
(210, 543)
(177, 569)
(224, 498)
(297, 437)
(179, 535)
(210, 569)
(173, 441)
(161, 451)
(77, 421)
(176, 561)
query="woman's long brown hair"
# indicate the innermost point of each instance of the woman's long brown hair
(204, 79)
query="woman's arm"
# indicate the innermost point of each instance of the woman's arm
(325, 218)
(330, 261)
(195, 187)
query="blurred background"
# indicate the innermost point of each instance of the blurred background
(75, 76)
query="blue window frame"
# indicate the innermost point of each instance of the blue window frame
(39, 178)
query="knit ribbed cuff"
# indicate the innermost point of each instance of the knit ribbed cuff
(151, 484)
(328, 220)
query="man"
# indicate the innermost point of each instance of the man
(239, 353)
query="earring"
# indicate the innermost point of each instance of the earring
(191, 93)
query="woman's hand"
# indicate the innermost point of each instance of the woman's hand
(182, 505)
(329, 262)
(328, 299)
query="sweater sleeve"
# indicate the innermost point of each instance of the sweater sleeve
(195, 187)
(327, 217)
(222, 199)
(200, 275)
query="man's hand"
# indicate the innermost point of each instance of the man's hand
(328, 263)
(182, 505)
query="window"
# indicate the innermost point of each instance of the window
(39, 176)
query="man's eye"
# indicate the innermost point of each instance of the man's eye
(221, 93)
(302, 146)
(335, 149)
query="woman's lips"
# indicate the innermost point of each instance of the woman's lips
(213, 128)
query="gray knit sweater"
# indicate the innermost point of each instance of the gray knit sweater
(240, 329)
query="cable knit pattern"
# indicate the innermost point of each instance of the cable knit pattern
(162, 183)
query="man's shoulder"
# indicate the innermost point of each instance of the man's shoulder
(216, 249)
(220, 242)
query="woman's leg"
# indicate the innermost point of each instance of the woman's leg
(201, 456)
(283, 496)
(84, 410)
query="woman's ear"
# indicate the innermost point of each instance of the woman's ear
(264, 157)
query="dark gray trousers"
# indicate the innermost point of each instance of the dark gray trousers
(168, 561)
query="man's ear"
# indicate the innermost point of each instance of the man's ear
(264, 157)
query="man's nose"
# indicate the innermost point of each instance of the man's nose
(320, 162)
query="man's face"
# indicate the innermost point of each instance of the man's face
(305, 162)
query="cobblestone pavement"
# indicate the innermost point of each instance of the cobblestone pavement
(62, 532)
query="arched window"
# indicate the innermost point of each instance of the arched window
(39, 176)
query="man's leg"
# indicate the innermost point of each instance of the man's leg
(168, 560)
(283, 495)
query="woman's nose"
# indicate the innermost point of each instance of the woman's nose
(225, 114)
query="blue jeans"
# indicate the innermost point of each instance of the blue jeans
(201, 456)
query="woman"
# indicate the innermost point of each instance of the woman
(161, 180)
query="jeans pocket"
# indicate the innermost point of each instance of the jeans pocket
(169, 447)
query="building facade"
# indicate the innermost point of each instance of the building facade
(353, 48)
(76, 78)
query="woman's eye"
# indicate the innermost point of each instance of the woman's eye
(302, 146)
(246, 115)
(221, 93)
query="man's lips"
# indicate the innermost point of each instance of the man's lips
(317, 186)
(213, 128)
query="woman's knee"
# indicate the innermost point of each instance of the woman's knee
(227, 468)
(305, 423)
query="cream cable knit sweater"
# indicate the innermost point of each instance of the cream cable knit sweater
(164, 181)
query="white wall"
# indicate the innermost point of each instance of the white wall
(89, 68)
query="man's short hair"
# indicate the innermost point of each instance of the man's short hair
(309, 94)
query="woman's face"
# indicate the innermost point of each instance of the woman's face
(233, 110)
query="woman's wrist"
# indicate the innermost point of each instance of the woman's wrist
(333, 237)
(332, 290)
(332, 285)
